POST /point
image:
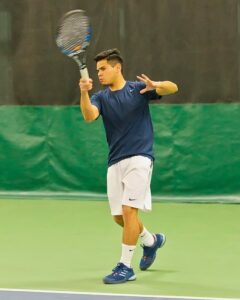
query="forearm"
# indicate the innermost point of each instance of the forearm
(166, 88)
(86, 107)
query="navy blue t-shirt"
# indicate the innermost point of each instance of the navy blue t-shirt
(127, 120)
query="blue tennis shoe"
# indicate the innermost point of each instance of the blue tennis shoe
(120, 274)
(149, 253)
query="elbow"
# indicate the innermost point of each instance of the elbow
(168, 89)
(88, 119)
(175, 89)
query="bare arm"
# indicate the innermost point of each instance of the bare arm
(162, 87)
(90, 112)
(166, 88)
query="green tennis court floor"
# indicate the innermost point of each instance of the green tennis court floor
(70, 245)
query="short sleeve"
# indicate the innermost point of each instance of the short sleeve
(96, 100)
(150, 95)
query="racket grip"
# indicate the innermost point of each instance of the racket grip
(84, 73)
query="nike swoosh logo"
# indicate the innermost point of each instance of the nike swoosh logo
(131, 199)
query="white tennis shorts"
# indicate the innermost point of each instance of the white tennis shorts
(128, 183)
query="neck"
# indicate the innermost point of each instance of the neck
(118, 84)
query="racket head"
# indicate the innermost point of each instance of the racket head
(74, 33)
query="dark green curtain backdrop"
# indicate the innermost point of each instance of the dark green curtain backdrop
(52, 149)
(46, 146)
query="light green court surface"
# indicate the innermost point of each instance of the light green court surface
(71, 245)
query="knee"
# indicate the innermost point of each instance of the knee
(129, 213)
(118, 220)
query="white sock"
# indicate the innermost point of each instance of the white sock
(147, 238)
(127, 254)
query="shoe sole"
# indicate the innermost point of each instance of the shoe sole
(134, 277)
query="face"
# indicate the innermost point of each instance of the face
(108, 73)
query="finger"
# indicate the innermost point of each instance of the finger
(145, 77)
(85, 84)
(140, 78)
(89, 80)
(143, 91)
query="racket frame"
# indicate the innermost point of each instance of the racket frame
(79, 56)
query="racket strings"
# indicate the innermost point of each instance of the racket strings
(74, 33)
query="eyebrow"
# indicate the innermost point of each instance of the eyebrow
(100, 68)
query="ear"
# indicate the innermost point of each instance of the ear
(119, 67)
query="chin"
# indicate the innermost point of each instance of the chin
(105, 84)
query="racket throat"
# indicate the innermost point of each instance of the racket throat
(81, 61)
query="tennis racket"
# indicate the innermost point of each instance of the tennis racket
(73, 37)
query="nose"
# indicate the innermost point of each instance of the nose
(100, 75)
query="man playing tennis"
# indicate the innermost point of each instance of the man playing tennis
(124, 107)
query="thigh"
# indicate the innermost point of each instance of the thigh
(114, 189)
(137, 181)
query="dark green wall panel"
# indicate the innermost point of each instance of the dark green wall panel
(51, 148)
(197, 149)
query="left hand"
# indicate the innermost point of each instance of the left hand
(150, 85)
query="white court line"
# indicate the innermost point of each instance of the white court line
(109, 294)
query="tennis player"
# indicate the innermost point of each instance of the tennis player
(124, 107)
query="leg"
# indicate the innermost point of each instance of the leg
(123, 271)
(132, 225)
(147, 238)
(119, 220)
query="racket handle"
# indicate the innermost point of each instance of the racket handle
(84, 73)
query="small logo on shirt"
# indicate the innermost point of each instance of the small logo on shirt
(130, 199)
(131, 91)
